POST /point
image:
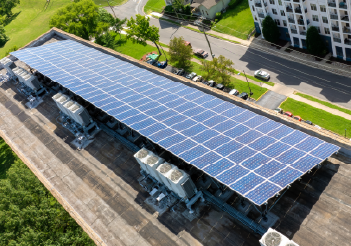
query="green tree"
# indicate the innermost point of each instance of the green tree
(3, 37)
(314, 42)
(223, 68)
(6, 7)
(30, 215)
(208, 68)
(270, 29)
(180, 53)
(140, 31)
(81, 19)
(116, 24)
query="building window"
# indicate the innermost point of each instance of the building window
(319, 30)
(323, 9)
(271, 1)
(280, 2)
(284, 22)
(325, 19)
(274, 11)
(315, 17)
(282, 13)
(255, 18)
(253, 8)
(207, 12)
(278, 22)
(313, 7)
(326, 30)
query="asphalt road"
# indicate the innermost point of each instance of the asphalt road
(312, 81)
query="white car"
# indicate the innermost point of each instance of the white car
(191, 75)
(262, 75)
(197, 78)
(234, 92)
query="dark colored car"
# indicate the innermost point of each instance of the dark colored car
(220, 86)
(211, 83)
(243, 95)
(205, 82)
(308, 122)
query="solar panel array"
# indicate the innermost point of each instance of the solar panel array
(253, 155)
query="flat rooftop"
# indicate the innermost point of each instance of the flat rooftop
(99, 184)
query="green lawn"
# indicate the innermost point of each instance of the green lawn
(237, 22)
(154, 6)
(330, 105)
(319, 117)
(103, 3)
(32, 21)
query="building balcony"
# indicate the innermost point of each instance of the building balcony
(300, 22)
(294, 31)
(303, 33)
(346, 30)
(332, 4)
(289, 9)
(347, 41)
(345, 18)
(335, 28)
(291, 20)
(258, 4)
(261, 15)
(338, 40)
(298, 10)
(342, 5)
(296, 1)
(333, 17)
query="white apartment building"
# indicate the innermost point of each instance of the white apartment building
(294, 17)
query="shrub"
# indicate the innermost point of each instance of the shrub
(3, 37)
(314, 42)
(270, 29)
(14, 48)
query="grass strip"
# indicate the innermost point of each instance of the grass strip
(330, 105)
(319, 117)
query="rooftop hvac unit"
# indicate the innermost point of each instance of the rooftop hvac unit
(60, 99)
(31, 81)
(152, 161)
(66, 105)
(140, 156)
(274, 238)
(79, 114)
(181, 183)
(9, 65)
(163, 170)
(291, 243)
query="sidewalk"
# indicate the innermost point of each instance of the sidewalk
(262, 45)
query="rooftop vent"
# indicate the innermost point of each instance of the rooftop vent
(57, 96)
(165, 168)
(273, 239)
(142, 153)
(176, 175)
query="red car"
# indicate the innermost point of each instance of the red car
(187, 43)
(287, 113)
(297, 118)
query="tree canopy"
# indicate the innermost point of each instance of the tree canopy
(6, 7)
(140, 31)
(180, 53)
(314, 42)
(3, 37)
(29, 214)
(270, 29)
(218, 68)
(80, 18)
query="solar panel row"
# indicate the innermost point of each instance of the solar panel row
(251, 154)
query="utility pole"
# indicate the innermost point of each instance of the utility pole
(209, 45)
(108, 2)
(248, 84)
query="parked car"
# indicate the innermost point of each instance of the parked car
(191, 75)
(234, 92)
(297, 118)
(201, 53)
(161, 64)
(187, 43)
(197, 78)
(308, 122)
(220, 86)
(287, 113)
(180, 72)
(262, 75)
(211, 83)
(278, 110)
(243, 95)
(205, 82)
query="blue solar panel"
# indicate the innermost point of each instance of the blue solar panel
(234, 145)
